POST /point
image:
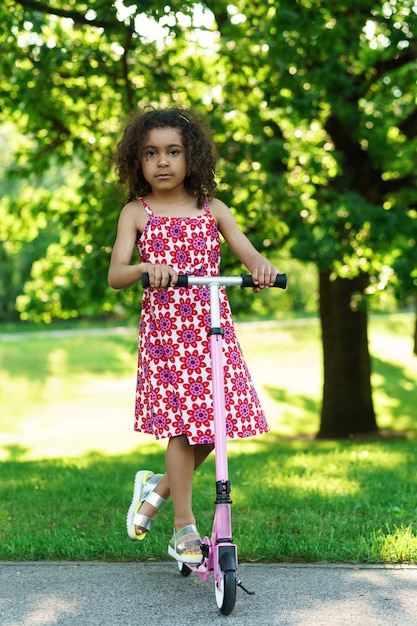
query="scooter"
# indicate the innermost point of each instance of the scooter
(219, 551)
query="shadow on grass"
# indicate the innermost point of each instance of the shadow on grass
(393, 382)
(301, 414)
(37, 360)
(351, 501)
(293, 501)
(15, 452)
(298, 414)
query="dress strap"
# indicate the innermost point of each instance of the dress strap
(145, 206)
(149, 211)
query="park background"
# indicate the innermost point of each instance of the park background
(313, 107)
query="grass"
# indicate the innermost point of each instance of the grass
(69, 454)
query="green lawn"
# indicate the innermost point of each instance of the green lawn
(68, 453)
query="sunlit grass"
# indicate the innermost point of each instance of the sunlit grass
(66, 396)
(69, 453)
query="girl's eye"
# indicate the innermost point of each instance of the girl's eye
(148, 154)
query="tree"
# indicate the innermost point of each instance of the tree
(314, 111)
(336, 93)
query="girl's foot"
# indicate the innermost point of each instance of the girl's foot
(185, 545)
(148, 512)
(145, 503)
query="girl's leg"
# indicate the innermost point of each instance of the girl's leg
(180, 465)
(200, 453)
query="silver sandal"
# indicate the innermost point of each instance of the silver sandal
(145, 483)
(176, 547)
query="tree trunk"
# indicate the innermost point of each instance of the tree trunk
(347, 408)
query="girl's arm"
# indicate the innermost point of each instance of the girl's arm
(122, 273)
(263, 272)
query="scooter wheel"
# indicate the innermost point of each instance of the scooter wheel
(184, 569)
(225, 590)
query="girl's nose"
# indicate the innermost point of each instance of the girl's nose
(163, 160)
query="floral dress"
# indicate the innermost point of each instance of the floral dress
(174, 393)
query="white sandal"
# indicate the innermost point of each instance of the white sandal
(178, 550)
(145, 483)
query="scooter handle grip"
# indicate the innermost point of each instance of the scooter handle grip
(280, 281)
(181, 282)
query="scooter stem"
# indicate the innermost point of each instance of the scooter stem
(223, 517)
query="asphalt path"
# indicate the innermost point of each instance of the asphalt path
(153, 593)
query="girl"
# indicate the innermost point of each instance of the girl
(172, 217)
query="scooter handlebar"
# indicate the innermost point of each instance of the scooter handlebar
(244, 280)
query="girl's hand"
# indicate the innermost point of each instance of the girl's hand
(264, 275)
(160, 276)
(263, 272)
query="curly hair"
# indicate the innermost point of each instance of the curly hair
(198, 145)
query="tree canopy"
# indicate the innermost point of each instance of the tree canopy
(313, 107)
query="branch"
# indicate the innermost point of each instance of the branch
(409, 125)
(125, 63)
(390, 65)
(343, 140)
(397, 184)
(61, 135)
(358, 172)
(78, 18)
(221, 16)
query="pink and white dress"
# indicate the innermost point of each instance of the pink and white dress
(174, 394)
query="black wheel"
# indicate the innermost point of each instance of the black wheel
(226, 592)
(184, 569)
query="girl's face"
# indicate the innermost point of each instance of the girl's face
(163, 159)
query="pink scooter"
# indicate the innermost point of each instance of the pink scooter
(219, 552)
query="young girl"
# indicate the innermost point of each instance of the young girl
(172, 217)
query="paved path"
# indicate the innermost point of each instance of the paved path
(148, 594)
